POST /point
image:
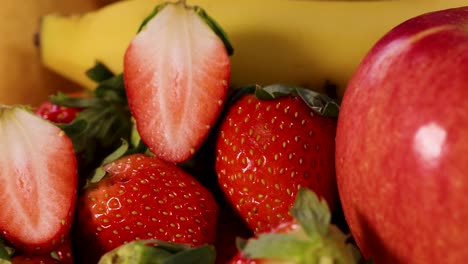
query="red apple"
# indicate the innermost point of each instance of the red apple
(402, 143)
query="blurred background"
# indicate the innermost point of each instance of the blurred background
(23, 80)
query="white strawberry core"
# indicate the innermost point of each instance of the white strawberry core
(37, 174)
(175, 69)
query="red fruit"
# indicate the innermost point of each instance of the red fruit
(402, 143)
(56, 113)
(176, 75)
(145, 198)
(64, 252)
(308, 238)
(34, 260)
(39, 180)
(267, 150)
(239, 258)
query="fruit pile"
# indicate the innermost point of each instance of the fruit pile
(164, 163)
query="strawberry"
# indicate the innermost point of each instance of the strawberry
(34, 260)
(58, 113)
(101, 121)
(268, 149)
(176, 73)
(39, 181)
(308, 238)
(62, 254)
(142, 197)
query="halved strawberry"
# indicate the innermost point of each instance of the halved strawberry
(38, 181)
(176, 73)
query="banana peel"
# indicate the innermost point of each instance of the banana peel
(302, 43)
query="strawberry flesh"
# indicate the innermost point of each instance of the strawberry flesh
(39, 179)
(176, 74)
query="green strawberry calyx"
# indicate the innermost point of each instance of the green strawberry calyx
(159, 252)
(105, 120)
(320, 103)
(217, 29)
(315, 241)
(5, 251)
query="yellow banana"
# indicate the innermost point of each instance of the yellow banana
(297, 42)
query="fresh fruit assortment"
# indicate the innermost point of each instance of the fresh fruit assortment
(163, 163)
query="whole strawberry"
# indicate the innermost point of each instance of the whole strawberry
(143, 197)
(268, 149)
(308, 238)
(39, 259)
(58, 113)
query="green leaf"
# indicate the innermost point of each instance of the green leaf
(155, 11)
(274, 91)
(99, 73)
(218, 30)
(4, 253)
(159, 252)
(73, 101)
(99, 128)
(312, 213)
(99, 173)
(320, 103)
(204, 254)
(275, 246)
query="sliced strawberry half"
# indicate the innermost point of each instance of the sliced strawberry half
(176, 73)
(38, 178)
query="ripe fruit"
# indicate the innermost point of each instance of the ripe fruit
(62, 255)
(301, 48)
(401, 143)
(176, 73)
(56, 113)
(39, 179)
(144, 198)
(308, 238)
(268, 149)
(34, 260)
(101, 122)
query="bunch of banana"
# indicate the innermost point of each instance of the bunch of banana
(296, 42)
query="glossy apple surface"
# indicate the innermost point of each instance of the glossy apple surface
(402, 143)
